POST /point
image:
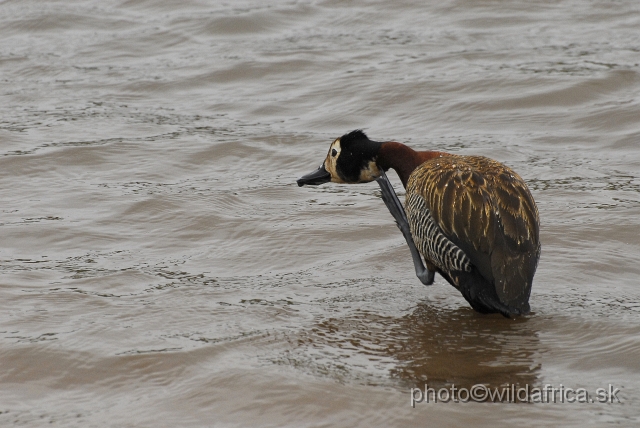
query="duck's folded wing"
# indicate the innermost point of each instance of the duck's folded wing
(486, 210)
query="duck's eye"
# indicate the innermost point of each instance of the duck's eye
(334, 152)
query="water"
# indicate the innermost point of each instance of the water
(160, 267)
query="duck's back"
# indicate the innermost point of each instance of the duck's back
(475, 220)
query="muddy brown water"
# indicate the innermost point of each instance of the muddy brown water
(160, 267)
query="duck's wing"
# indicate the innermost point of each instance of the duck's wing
(485, 209)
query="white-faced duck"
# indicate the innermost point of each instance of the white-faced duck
(473, 219)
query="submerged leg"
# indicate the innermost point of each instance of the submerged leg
(395, 207)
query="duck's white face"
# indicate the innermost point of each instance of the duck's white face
(332, 160)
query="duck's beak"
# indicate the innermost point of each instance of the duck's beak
(318, 176)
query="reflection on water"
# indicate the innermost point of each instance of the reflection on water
(430, 345)
(464, 348)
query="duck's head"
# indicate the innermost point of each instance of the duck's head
(351, 159)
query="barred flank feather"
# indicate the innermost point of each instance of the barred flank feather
(430, 240)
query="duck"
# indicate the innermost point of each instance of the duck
(471, 219)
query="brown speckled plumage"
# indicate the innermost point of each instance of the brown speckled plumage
(485, 209)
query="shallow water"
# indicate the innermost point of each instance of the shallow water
(160, 267)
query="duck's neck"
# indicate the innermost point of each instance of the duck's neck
(403, 159)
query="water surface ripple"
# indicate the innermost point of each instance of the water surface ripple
(160, 267)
